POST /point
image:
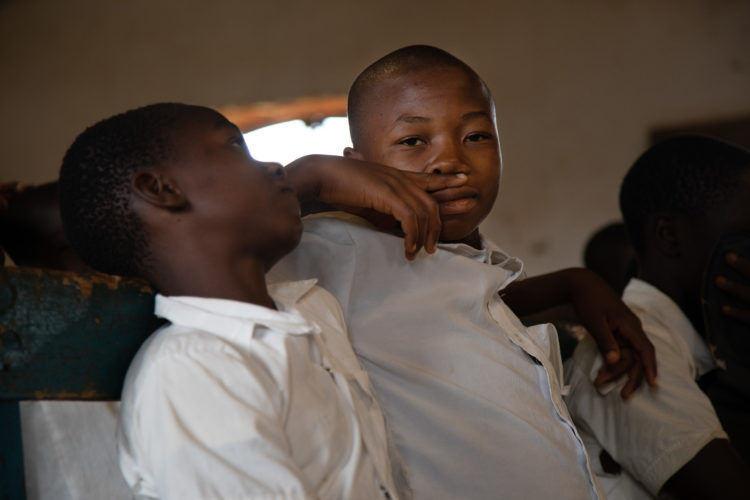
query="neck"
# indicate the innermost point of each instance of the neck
(473, 240)
(243, 281)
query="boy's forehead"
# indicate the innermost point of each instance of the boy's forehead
(206, 117)
(443, 83)
(197, 122)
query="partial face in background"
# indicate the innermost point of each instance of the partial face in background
(438, 120)
(731, 215)
(34, 233)
(236, 201)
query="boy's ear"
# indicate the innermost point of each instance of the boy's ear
(666, 235)
(156, 189)
(352, 153)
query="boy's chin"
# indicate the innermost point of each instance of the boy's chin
(285, 244)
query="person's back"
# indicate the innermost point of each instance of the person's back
(249, 390)
(473, 397)
(677, 200)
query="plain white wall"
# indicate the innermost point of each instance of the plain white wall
(578, 84)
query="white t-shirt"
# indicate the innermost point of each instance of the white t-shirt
(658, 430)
(473, 398)
(235, 400)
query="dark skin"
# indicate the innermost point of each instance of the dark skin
(676, 252)
(242, 216)
(442, 121)
(386, 196)
(716, 469)
(223, 207)
(739, 290)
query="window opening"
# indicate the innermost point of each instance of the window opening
(285, 142)
(283, 131)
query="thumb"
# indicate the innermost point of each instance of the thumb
(606, 342)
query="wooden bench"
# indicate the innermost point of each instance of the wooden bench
(63, 335)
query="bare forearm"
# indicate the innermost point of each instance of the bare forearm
(303, 174)
(533, 295)
(716, 471)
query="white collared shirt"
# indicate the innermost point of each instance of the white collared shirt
(473, 398)
(235, 400)
(658, 430)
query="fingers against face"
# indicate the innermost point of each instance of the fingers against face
(739, 290)
(429, 183)
(741, 264)
(417, 212)
(421, 213)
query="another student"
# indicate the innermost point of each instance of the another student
(677, 200)
(474, 398)
(609, 254)
(249, 391)
(31, 231)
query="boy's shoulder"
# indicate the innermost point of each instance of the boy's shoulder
(341, 227)
(315, 304)
(338, 243)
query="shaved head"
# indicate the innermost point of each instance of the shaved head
(411, 59)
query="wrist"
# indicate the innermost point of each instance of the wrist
(305, 177)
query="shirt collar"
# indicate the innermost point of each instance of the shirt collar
(643, 295)
(489, 253)
(231, 317)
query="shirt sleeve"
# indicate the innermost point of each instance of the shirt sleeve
(180, 432)
(659, 429)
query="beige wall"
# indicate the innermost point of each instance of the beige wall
(578, 84)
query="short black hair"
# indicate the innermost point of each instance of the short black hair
(688, 175)
(95, 186)
(412, 58)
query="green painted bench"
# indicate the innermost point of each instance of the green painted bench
(63, 335)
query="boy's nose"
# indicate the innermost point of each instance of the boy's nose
(447, 161)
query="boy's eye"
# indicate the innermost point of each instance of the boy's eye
(477, 136)
(412, 141)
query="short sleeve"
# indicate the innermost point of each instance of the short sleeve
(658, 430)
(176, 430)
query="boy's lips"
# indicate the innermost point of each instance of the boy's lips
(454, 201)
(289, 196)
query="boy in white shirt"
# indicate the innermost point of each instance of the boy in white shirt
(474, 398)
(249, 390)
(677, 200)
